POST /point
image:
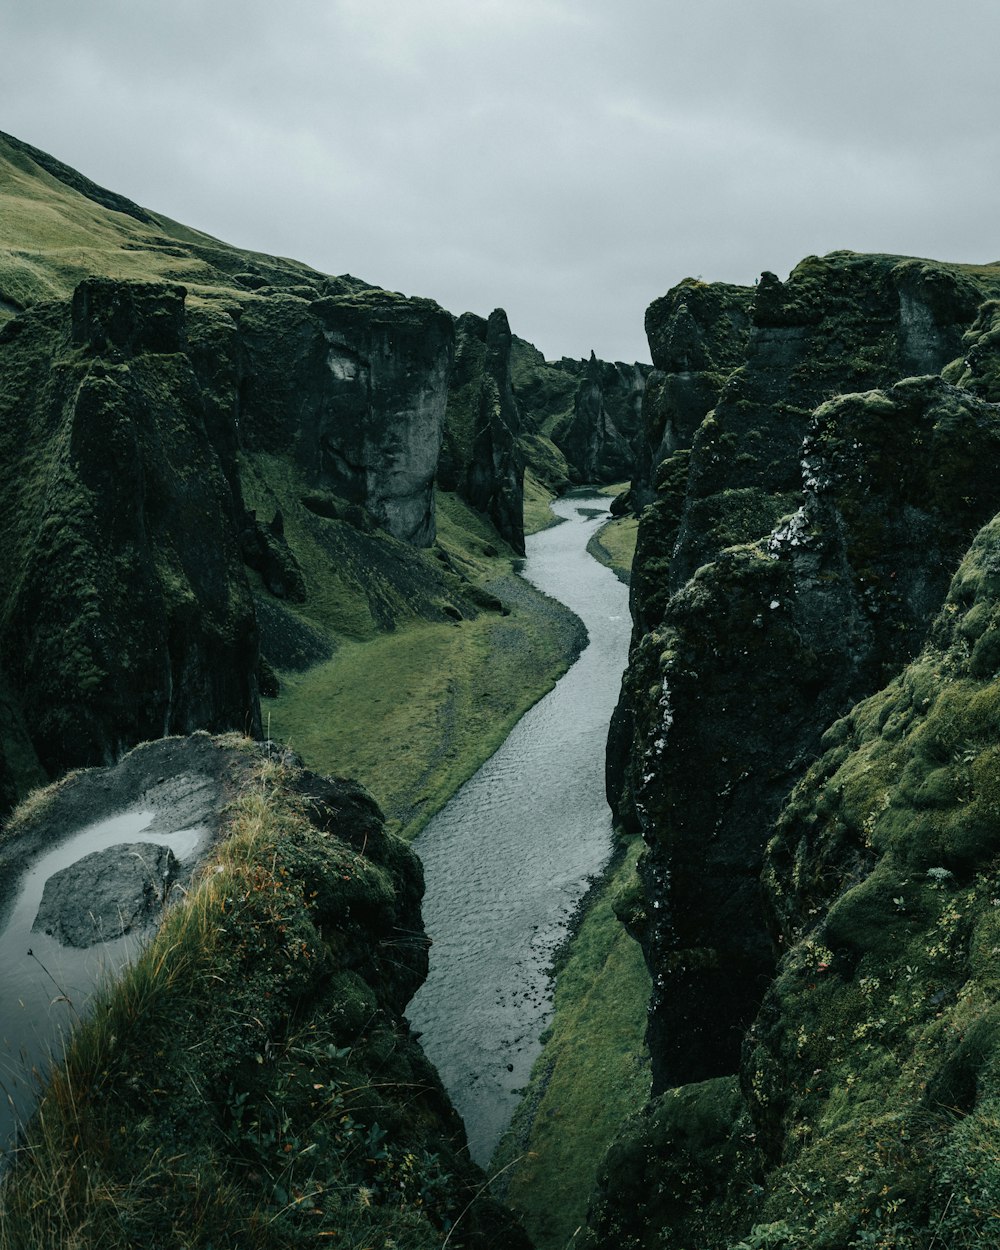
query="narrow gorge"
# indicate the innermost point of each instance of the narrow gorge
(276, 592)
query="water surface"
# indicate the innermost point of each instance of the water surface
(508, 859)
(45, 987)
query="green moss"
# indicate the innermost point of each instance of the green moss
(414, 713)
(538, 515)
(874, 1065)
(614, 545)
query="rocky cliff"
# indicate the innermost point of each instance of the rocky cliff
(481, 458)
(582, 418)
(213, 464)
(798, 558)
(251, 1081)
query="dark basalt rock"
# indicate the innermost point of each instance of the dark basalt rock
(752, 639)
(124, 319)
(125, 424)
(749, 645)
(127, 611)
(600, 441)
(481, 458)
(106, 894)
(264, 548)
(582, 418)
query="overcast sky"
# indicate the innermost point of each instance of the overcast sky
(568, 160)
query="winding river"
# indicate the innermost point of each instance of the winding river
(509, 858)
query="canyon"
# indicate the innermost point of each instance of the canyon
(245, 502)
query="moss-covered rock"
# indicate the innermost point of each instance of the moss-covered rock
(251, 1081)
(481, 457)
(127, 612)
(809, 558)
(587, 411)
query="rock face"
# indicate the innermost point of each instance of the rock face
(126, 423)
(355, 386)
(582, 418)
(749, 642)
(187, 468)
(106, 894)
(481, 458)
(800, 553)
(599, 441)
(127, 614)
(864, 1111)
(271, 1006)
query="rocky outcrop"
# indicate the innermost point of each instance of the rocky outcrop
(127, 614)
(600, 439)
(750, 642)
(271, 1002)
(755, 633)
(588, 411)
(355, 387)
(864, 1112)
(107, 894)
(127, 422)
(481, 458)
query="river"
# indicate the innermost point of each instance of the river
(509, 858)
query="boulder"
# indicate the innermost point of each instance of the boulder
(106, 894)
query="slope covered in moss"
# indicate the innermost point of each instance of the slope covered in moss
(817, 903)
(866, 1112)
(212, 490)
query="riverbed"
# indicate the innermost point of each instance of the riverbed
(509, 858)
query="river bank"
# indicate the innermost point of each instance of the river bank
(508, 860)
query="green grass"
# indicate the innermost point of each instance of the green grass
(413, 711)
(614, 545)
(537, 497)
(236, 1087)
(55, 236)
(413, 714)
(592, 1074)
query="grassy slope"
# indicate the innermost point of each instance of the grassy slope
(54, 236)
(614, 545)
(410, 701)
(413, 712)
(593, 1072)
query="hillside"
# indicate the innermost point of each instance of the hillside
(220, 470)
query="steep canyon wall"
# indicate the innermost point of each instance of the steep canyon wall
(827, 450)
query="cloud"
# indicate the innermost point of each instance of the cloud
(569, 162)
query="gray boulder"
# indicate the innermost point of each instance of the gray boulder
(106, 894)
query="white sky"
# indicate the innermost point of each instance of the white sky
(568, 160)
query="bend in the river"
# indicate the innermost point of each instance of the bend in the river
(509, 858)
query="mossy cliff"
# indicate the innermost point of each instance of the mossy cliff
(481, 459)
(582, 418)
(811, 546)
(137, 426)
(814, 538)
(126, 613)
(866, 1110)
(215, 466)
(251, 1082)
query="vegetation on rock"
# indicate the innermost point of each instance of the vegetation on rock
(249, 1081)
(821, 1035)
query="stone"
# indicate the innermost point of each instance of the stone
(106, 894)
